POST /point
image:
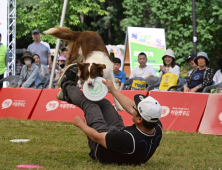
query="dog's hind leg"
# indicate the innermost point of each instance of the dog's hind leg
(117, 104)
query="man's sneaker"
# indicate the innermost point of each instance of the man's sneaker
(60, 96)
(69, 74)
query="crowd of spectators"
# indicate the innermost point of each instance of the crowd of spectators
(198, 78)
(36, 62)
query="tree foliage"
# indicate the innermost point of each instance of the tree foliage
(47, 14)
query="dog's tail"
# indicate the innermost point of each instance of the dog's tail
(63, 33)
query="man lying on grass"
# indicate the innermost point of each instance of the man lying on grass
(109, 140)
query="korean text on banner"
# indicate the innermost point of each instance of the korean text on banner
(181, 111)
(212, 118)
(151, 41)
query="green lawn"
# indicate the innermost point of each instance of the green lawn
(62, 146)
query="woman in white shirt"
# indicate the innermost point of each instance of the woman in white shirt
(218, 75)
(169, 64)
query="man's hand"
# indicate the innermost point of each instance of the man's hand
(78, 121)
(109, 85)
(194, 89)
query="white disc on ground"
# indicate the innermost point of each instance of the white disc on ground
(20, 140)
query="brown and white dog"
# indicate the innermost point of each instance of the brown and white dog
(88, 50)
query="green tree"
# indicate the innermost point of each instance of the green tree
(109, 26)
(47, 13)
(175, 16)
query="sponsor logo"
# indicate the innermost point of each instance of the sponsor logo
(6, 104)
(140, 109)
(180, 111)
(220, 117)
(16, 103)
(52, 105)
(165, 111)
(65, 105)
(96, 89)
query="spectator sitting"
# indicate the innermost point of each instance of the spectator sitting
(119, 75)
(61, 62)
(29, 77)
(218, 75)
(44, 71)
(169, 64)
(190, 60)
(200, 77)
(142, 70)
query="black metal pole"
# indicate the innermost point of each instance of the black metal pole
(194, 27)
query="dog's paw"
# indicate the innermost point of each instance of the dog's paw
(118, 106)
(120, 109)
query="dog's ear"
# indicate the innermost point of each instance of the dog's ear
(82, 65)
(102, 66)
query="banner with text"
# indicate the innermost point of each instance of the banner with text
(212, 118)
(151, 41)
(181, 111)
(49, 108)
(18, 103)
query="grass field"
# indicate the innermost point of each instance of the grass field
(62, 146)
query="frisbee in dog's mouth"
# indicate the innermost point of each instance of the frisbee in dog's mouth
(97, 91)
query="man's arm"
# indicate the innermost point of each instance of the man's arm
(90, 132)
(125, 102)
(149, 76)
(121, 86)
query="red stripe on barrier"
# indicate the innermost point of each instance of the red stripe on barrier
(181, 111)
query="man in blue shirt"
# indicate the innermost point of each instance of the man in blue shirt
(120, 76)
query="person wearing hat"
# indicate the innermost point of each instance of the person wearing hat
(218, 75)
(61, 62)
(43, 70)
(142, 70)
(200, 77)
(110, 141)
(4, 58)
(29, 77)
(40, 48)
(169, 65)
(190, 60)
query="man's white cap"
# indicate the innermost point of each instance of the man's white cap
(148, 107)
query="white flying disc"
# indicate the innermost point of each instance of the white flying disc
(20, 140)
(96, 92)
